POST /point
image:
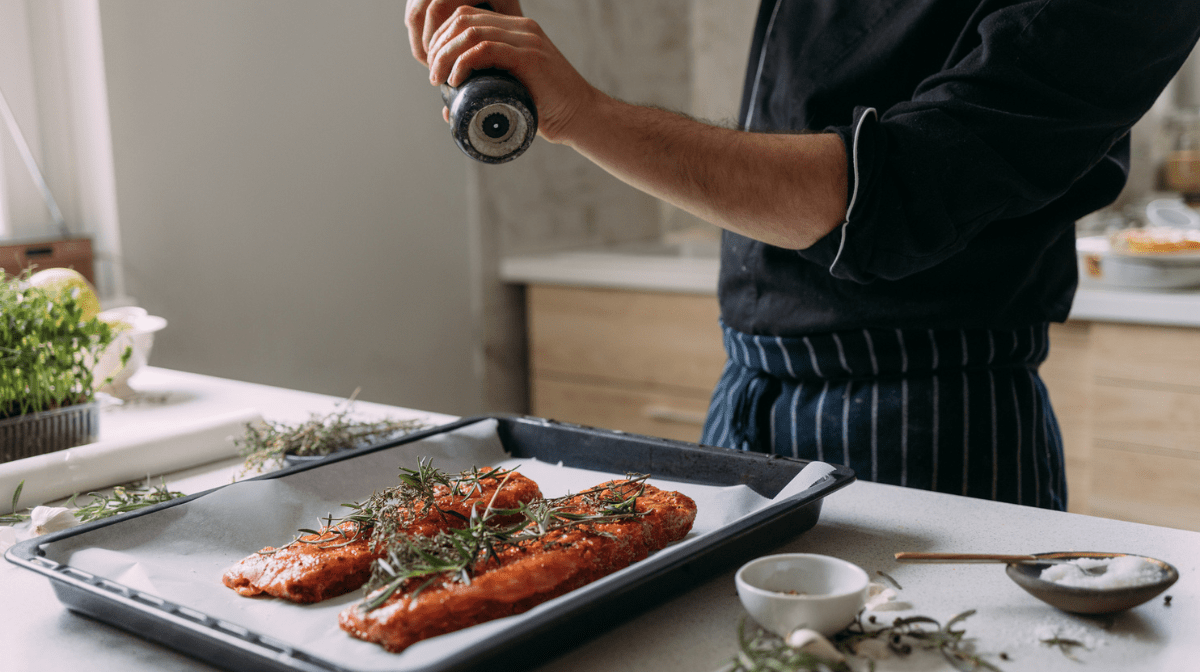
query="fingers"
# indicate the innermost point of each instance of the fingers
(423, 18)
(414, 21)
(482, 56)
(474, 47)
(468, 17)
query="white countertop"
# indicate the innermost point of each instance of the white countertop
(664, 269)
(865, 523)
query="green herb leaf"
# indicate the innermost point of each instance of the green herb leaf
(45, 349)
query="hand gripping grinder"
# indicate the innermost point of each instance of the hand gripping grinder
(492, 116)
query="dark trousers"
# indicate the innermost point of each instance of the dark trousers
(957, 411)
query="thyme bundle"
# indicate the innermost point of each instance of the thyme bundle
(762, 651)
(265, 446)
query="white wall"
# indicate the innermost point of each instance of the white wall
(290, 199)
(23, 214)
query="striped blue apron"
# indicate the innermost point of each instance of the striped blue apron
(957, 411)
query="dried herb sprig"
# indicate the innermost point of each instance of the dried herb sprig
(264, 446)
(391, 511)
(1067, 646)
(124, 498)
(452, 553)
(15, 517)
(457, 554)
(385, 512)
(764, 651)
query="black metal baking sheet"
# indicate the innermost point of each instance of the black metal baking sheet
(568, 623)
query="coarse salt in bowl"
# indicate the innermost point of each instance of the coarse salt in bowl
(790, 591)
(1126, 571)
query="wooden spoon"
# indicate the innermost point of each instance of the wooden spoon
(906, 556)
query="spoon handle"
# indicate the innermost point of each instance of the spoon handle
(965, 557)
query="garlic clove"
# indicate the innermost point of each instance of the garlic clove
(813, 642)
(47, 519)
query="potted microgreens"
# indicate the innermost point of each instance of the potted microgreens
(47, 387)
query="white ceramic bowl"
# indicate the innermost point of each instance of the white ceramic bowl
(139, 336)
(801, 590)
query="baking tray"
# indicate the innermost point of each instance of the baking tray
(543, 633)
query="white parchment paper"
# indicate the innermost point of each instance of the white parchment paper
(180, 553)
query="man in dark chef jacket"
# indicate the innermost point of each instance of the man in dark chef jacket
(898, 207)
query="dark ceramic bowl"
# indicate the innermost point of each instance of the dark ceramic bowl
(1088, 600)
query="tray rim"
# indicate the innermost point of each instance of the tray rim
(73, 586)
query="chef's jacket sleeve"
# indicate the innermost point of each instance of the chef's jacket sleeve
(1031, 115)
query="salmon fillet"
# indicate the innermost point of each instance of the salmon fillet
(337, 559)
(528, 573)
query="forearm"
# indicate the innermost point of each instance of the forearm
(785, 190)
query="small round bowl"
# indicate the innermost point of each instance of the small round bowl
(1094, 601)
(801, 590)
(136, 332)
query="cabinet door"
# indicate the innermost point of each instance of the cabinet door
(638, 411)
(1128, 400)
(640, 362)
(643, 338)
(1146, 425)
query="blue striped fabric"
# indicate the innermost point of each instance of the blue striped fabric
(957, 411)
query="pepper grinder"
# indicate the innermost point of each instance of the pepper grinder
(492, 116)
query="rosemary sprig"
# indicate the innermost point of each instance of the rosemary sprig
(15, 517)
(124, 498)
(392, 510)
(456, 555)
(265, 446)
(765, 651)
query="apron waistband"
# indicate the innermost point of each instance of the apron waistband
(875, 353)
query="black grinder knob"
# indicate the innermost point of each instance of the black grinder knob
(492, 116)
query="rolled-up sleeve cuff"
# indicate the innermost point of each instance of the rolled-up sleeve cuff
(858, 138)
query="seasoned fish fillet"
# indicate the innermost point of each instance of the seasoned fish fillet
(337, 560)
(527, 574)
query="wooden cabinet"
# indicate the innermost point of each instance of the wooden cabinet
(643, 362)
(1128, 400)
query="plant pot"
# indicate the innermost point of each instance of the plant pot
(48, 431)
